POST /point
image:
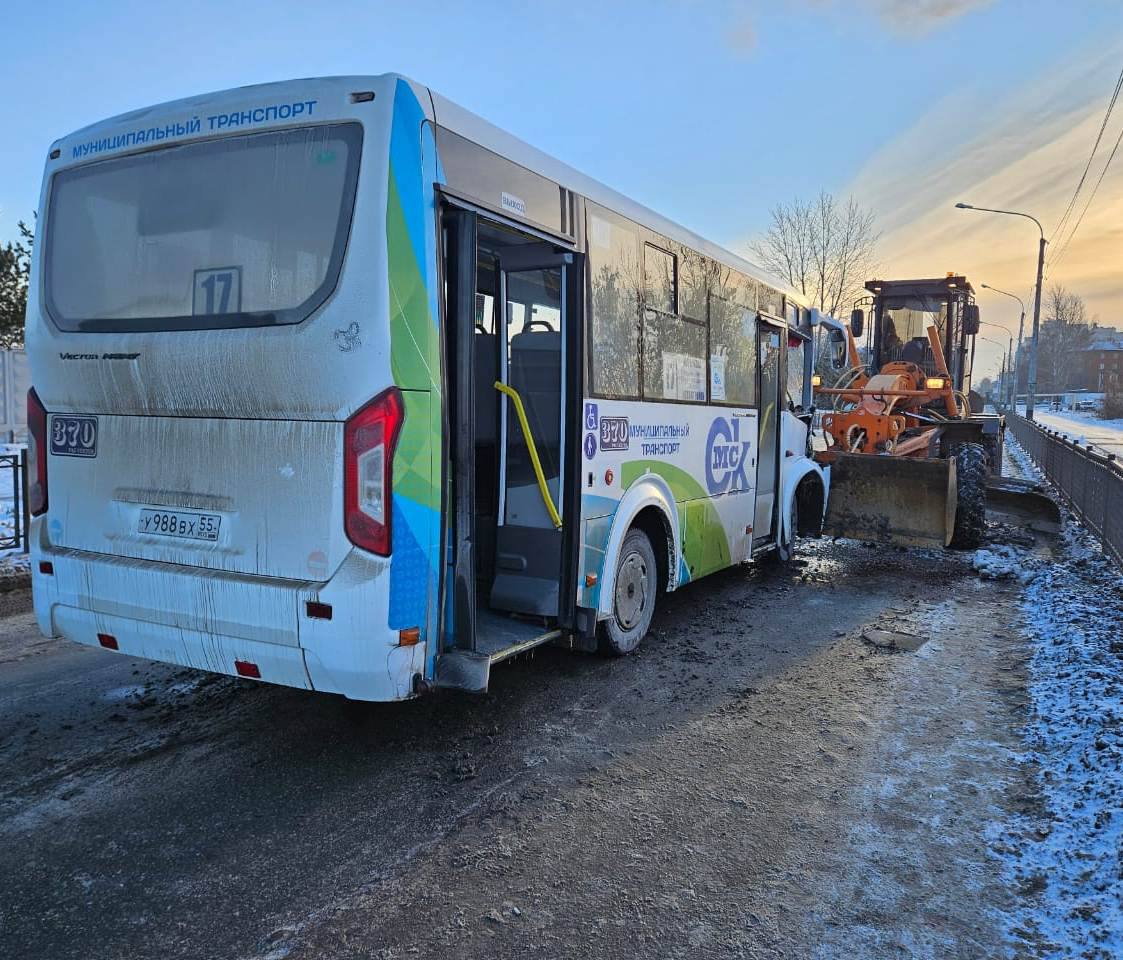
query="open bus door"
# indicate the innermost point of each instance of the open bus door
(513, 334)
(532, 461)
(770, 383)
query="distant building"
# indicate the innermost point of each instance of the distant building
(1103, 358)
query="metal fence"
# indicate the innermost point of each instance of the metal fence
(13, 501)
(1091, 483)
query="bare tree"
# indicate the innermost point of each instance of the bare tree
(824, 249)
(1065, 333)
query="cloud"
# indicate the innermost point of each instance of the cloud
(920, 16)
(1022, 152)
(742, 37)
(906, 17)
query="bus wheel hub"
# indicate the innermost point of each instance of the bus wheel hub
(631, 590)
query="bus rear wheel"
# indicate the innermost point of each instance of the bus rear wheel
(633, 599)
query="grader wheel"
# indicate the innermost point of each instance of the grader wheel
(971, 495)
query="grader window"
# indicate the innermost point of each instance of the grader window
(904, 329)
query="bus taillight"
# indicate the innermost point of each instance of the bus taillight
(36, 454)
(369, 438)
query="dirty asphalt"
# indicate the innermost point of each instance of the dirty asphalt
(759, 780)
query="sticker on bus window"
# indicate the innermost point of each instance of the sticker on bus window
(217, 291)
(684, 377)
(717, 377)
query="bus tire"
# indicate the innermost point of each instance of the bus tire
(810, 508)
(634, 590)
(971, 495)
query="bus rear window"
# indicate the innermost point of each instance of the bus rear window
(237, 232)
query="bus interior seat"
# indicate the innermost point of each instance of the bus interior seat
(535, 372)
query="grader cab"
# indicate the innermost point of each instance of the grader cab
(913, 456)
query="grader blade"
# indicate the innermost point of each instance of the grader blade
(893, 500)
(1023, 502)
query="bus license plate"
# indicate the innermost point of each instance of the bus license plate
(177, 523)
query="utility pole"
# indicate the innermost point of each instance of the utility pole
(1002, 375)
(1031, 375)
(1012, 391)
(1018, 362)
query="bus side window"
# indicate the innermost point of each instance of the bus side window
(733, 354)
(769, 300)
(674, 347)
(797, 376)
(616, 275)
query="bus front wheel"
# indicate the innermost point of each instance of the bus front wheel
(633, 599)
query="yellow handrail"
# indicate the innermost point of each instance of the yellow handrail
(542, 488)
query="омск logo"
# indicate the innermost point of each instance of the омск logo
(727, 455)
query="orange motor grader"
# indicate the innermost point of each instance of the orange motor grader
(912, 455)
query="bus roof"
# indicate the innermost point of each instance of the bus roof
(472, 127)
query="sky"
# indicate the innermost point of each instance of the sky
(709, 111)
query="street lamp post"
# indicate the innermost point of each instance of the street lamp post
(1003, 383)
(1017, 357)
(1031, 373)
(997, 344)
(1012, 391)
(997, 326)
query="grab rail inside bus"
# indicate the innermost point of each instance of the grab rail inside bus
(529, 437)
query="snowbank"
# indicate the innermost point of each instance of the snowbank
(1016, 462)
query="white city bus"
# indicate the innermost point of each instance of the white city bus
(340, 387)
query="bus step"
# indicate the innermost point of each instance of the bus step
(463, 670)
(471, 669)
(522, 646)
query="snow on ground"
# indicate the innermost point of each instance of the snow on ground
(1083, 427)
(1001, 561)
(1085, 417)
(1069, 854)
(1017, 463)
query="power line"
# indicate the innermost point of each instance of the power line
(1103, 173)
(1099, 136)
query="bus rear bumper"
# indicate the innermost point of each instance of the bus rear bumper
(216, 621)
(186, 648)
